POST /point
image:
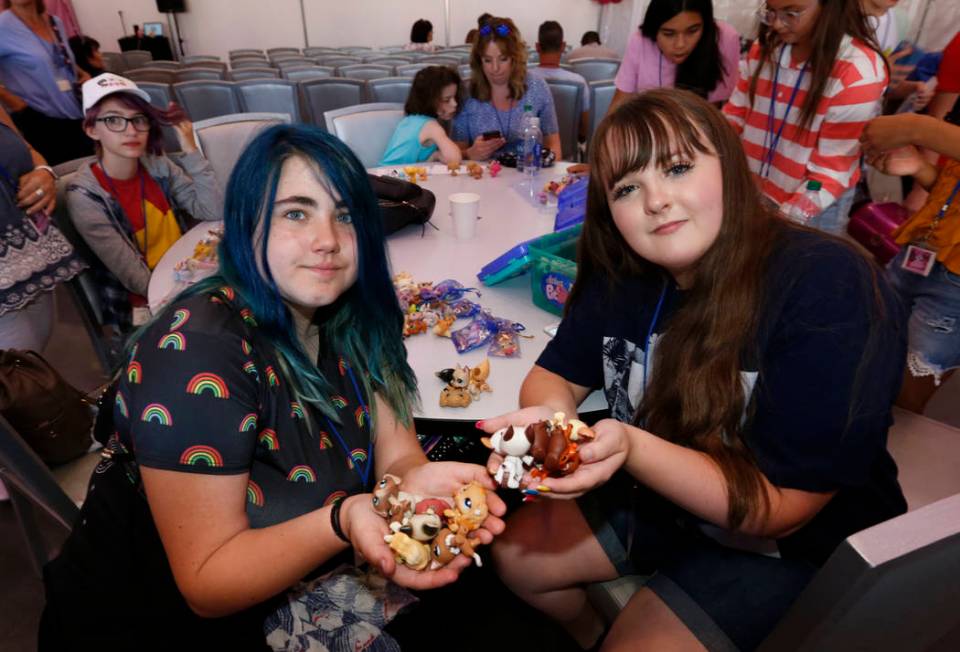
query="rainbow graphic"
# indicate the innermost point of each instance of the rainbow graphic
(334, 497)
(134, 373)
(361, 416)
(245, 345)
(254, 493)
(207, 455)
(180, 318)
(251, 368)
(272, 378)
(215, 299)
(358, 456)
(268, 438)
(325, 441)
(342, 366)
(156, 413)
(121, 404)
(175, 341)
(249, 422)
(338, 401)
(227, 292)
(248, 317)
(296, 411)
(133, 351)
(301, 472)
(206, 381)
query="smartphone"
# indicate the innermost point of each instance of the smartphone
(490, 135)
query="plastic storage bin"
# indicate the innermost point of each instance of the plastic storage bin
(517, 260)
(553, 269)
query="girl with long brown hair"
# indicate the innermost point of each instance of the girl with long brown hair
(734, 349)
(810, 83)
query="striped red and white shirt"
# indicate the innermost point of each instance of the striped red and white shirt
(828, 150)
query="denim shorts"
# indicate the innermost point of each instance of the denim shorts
(729, 599)
(934, 326)
(833, 219)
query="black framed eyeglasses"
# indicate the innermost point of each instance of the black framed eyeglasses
(118, 123)
(502, 29)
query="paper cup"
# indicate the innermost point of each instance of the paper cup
(464, 209)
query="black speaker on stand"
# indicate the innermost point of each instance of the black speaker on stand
(172, 8)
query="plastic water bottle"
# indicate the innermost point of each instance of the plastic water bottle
(808, 206)
(531, 144)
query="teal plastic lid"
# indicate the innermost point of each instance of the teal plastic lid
(814, 185)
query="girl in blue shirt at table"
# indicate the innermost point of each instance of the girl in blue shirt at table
(420, 136)
(500, 88)
(750, 365)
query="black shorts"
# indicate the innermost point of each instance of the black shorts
(729, 599)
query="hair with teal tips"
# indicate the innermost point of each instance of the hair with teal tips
(365, 324)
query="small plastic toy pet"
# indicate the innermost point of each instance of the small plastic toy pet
(514, 444)
(470, 511)
(464, 384)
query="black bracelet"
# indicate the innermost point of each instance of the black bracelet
(335, 521)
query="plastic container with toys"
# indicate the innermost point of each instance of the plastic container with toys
(553, 268)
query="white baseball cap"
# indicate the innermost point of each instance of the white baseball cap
(106, 84)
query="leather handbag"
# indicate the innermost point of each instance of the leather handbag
(401, 202)
(873, 224)
(52, 416)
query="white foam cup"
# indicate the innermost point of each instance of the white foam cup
(464, 210)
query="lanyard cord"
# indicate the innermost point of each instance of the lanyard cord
(660, 72)
(653, 325)
(940, 214)
(496, 111)
(143, 208)
(363, 470)
(766, 164)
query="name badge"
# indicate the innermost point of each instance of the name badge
(64, 85)
(919, 260)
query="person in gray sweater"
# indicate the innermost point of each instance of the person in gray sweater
(133, 202)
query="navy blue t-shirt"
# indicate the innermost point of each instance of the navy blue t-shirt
(820, 389)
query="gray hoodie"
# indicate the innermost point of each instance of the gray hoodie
(189, 186)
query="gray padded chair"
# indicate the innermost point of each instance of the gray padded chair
(244, 52)
(601, 94)
(205, 64)
(136, 59)
(193, 58)
(292, 62)
(355, 49)
(269, 96)
(306, 73)
(365, 128)
(222, 139)
(198, 74)
(249, 63)
(365, 71)
(389, 89)
(243, 74)
(595, 69)
(207, 99)
(321, 95)
(271, 51)
(465, 71)
(317, 51)
(567, 100)
(33, 489)
(160, 75)
(166, 65)
(114, 62)
(337, 60)
(160, 96)
(411, 69)
(440, 60)
(389, 61)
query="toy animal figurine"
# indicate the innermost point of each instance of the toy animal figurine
(475, 170)
(408, 551)
(470, 511)
(443, 326)
(494, 168)
(443, 550)
(555, 445)
(454, 169)
(388, 488)
(478, 379)
(456, 393)
(422, 527)
(514, 444)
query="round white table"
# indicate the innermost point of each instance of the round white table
(507, 217)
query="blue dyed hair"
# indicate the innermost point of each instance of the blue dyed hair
(365, 324)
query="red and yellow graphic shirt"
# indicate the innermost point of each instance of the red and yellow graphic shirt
(161, 229)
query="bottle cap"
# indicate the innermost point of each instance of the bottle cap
(814, 185)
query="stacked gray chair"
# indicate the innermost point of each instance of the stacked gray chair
(251, 62)
(114, 62)
(365, 128)
(306, 73)
(222, 139)
(194, 58)
(243, 74)
(207, 99)
(275, 51)
(276, 96)
(206, 63)
(160, 96)
(411, 69)
(244, 52)
(389, 89)
(198, 74)
(166, 65)
(595, 69)
(321, 95)
(160, 75)
(365, 71)
(567, 100)
(136, 59)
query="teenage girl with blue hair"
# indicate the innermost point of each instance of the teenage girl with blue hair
(251, 418)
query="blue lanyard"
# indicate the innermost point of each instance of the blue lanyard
(362, 469)
(771, 117)
(946, 205)
(496, 112)
(653, 325)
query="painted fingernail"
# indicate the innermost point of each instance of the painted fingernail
(544, 488)
(478, 425)
(531, 492)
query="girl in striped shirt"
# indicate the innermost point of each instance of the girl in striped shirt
(810, 83)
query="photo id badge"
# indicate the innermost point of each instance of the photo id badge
(919, 260)
(64, 85)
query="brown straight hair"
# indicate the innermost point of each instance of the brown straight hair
(837, 18)
(510, 44)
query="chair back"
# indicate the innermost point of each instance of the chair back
(392, 61)
(365, 71)
(166, 65)
(601, 95)
(206, 63)
(32, 487)
(365, 128)
(224, 138)
(440, 60)
(160, 96)
(306, 73)
(136, 59)
(272, 51)
(317, 51)
(259, 72)
(389, 89)
(568, 102)
(161, 75)
(321, 95)
(337, 60)
(465, 70)
(894, 586)
(249, 62)
(113, 61)
(269, 96)
(245, 52)
(292, 62)
(207, 99)
(198, 74)
(355, 49)
(411, 69)
(194, 58)
(595, 69)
